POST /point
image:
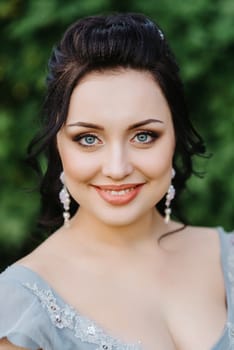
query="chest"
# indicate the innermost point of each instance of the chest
(179, 307)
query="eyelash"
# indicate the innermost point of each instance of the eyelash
(80, 137)
(153, 135)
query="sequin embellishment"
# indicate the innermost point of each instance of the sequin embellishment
(82, 328)
(230, 328)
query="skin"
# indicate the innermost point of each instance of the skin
(164, 295)
(6, 345)
(117, 156)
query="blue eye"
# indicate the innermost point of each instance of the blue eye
(87, 140)
(145, 137)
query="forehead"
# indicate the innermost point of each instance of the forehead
(123, 95)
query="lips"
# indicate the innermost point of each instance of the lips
(118, 194)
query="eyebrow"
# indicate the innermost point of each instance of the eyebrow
(87, 125)
(145, 122)
(131, 127)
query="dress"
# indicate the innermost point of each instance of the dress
(33, 315)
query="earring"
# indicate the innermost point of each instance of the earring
(65, 200)
(170, 195)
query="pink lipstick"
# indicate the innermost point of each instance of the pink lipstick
(118, 194)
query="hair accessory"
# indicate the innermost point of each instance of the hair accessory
(169, 197)
(152, 24)
(161, 34)
(65, 200)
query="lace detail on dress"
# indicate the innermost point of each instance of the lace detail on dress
(82, 328)
(230, 327)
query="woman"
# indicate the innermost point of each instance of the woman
(118, 273)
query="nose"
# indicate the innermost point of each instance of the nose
(117, 164)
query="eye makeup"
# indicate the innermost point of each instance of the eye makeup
(89, 139)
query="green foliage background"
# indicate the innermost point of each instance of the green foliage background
(201, 34)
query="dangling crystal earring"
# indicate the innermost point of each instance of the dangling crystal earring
(170, 195)
(65, 200)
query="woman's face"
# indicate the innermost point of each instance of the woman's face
(117, 145)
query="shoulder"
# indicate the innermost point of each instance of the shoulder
(16, 299)
(22, 318)
(50, 250)
(208, 239)
(207, 250)
(14, 278)
(197, 240)
(213, 246)
(214, 249)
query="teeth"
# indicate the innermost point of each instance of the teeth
(119, 193)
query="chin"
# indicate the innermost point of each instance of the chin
(117, 222)
(121, 218)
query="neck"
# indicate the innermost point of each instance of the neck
(150, 226)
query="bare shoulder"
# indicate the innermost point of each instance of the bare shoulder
(6, 345)
(204, 240)
(203, 250)
(199, 243)
(200, 250)
(196, 238)
(45, 253)
(205, 235)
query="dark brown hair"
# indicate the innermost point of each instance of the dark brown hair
(98, 43)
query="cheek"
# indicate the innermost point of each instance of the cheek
(153, 167)
(79, 166)
(157, 162)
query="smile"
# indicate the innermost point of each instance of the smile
(121, 192)
(118, 195)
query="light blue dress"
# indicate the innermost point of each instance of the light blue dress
(34, 316)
